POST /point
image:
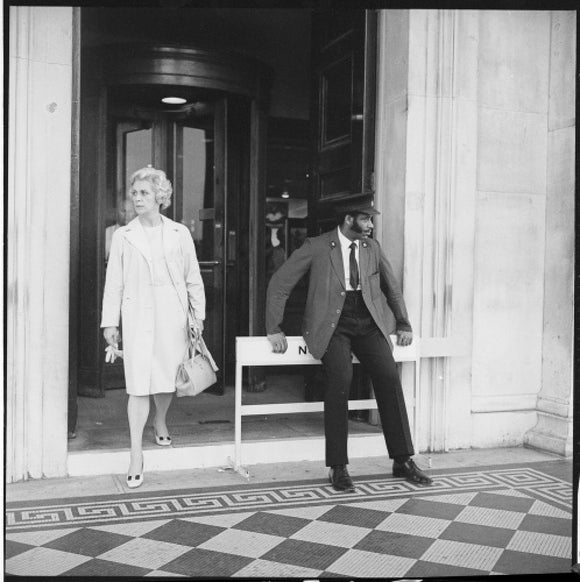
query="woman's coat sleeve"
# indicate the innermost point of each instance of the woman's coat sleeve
(113, 293)
(193, 280)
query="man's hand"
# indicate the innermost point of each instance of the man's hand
(404, 338)
(279, 343)
(111, 335)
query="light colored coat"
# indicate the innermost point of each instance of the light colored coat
(321, 256)
(128, 294)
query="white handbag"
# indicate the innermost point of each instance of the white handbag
(197, 371)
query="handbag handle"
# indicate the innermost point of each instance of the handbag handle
(191, 337)
(206, 354)
(198, 344)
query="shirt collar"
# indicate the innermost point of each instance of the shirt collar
(344, 241)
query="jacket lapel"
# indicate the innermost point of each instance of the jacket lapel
(336, 257)
(363, 261)
(170, 236)
(135, 234)
(171, 241)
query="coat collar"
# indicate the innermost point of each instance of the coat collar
(336, 255)
(136, 235)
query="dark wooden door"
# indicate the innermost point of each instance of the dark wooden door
(343, 108)
(343, 117)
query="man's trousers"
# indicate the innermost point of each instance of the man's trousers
(356, 332)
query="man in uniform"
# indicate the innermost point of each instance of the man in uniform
(352, 291)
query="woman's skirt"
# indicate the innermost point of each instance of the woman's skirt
(169, 339)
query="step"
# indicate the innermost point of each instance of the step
(83, 463)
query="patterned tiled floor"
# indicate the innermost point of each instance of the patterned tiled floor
(496, 520)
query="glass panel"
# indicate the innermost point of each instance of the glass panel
(137, 153)
(276, 235)
(198, 195)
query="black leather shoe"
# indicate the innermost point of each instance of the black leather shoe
(340, 479)
(409, 471)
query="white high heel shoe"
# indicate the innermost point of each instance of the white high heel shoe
(134, 481)
(162, 441)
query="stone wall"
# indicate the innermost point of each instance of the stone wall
(477, 107)
(554, 427)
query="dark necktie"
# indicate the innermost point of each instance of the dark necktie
(353, 267)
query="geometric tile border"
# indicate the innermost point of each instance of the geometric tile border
(127, 507)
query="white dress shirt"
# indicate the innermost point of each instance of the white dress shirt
(345, 247)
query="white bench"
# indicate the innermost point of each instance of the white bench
(257, 351)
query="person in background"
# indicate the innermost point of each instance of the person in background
(123, 215)
(351, 289)
(153, 287)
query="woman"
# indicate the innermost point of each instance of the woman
(153, 282)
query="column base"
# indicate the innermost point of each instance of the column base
(551, 434)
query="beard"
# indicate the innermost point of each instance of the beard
(358, 229)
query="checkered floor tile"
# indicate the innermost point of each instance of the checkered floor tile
(514, 520)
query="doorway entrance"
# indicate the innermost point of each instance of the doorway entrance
(204, 145)
(242, 158)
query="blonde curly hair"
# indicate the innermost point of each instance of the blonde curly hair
(158, 180)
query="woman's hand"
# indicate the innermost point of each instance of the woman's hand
(197, 327)
(111, 335)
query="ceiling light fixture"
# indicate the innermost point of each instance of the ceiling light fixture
(174, 100)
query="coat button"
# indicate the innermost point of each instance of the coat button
(343, 293)
(338, 311)
(332, 325)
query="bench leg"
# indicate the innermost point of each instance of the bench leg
(237, 461)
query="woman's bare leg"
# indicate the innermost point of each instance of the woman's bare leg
(162, 402)
(138, 412)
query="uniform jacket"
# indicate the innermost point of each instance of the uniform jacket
(128, 294)
(322, 257)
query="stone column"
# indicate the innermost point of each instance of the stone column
(426, 156)
(480, 228)
(37, 270)
(553, 430)
(390, 158)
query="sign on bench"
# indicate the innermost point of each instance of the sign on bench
(257, 351)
